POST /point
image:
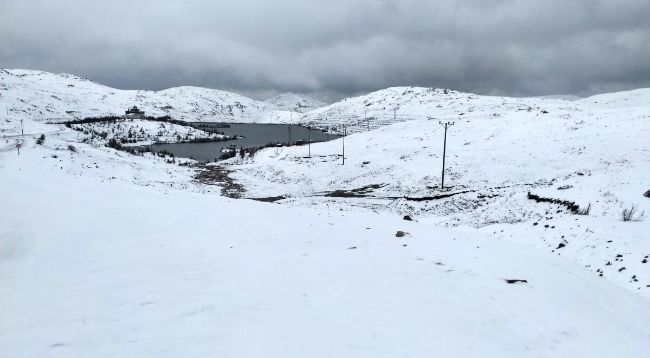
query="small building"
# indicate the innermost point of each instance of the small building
(134, 112)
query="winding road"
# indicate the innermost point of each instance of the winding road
(17, 138)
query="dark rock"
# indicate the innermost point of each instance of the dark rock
(515, 281)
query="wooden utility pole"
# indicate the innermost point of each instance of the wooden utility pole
(345, 132)
(365, 115)
(290, 130)
(444, 151)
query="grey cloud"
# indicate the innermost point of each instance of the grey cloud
(337, 48)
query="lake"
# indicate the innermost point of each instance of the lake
(256, 135)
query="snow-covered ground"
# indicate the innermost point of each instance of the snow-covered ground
(109, 254)
(93, 265)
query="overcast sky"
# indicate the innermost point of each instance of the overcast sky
(336, 48)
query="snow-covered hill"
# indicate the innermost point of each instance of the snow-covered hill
(393, 105)
(37, 95)
(400, 104)
(295, 102)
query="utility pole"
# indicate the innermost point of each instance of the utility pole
(365, 116)
(291, 121)
(345, 132)
(368, 121)
(289, 135)
(394, 114)
(444, 151)
(328, 129)
(22, 131)
(309, 143)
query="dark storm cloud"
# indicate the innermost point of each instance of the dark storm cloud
(334, 49)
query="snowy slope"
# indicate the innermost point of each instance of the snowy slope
(495, 144)
(295, 102)
(36, 95)
(93, 266)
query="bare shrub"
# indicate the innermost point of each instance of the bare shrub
(631, 214)
(72, 148)
(584, 211)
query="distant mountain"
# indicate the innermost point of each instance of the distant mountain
(36, 94)
(568, 97)
(295, 102)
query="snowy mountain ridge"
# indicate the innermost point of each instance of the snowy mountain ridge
(38, 94)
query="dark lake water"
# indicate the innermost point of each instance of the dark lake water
(256, 135)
